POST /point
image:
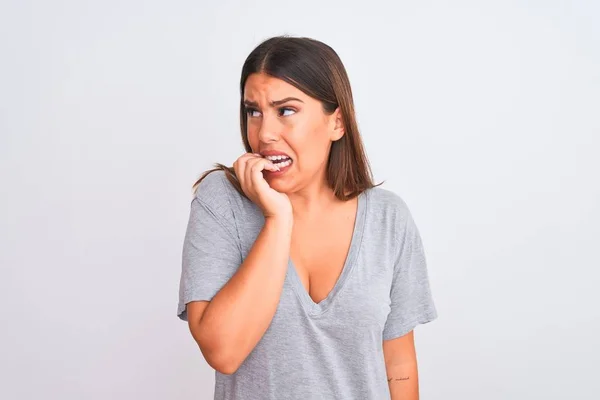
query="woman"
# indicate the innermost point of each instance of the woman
(301, 278)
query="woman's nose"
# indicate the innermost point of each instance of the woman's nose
(269, 131)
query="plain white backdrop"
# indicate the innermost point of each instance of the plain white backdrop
(484, 116)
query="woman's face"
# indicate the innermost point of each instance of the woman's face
(284, 121)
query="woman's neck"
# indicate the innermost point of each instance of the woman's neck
(313, 201)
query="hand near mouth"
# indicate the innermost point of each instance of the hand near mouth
(249, 170)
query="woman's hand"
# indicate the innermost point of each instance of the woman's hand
(248, 169)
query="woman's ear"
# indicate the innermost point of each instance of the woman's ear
(338, 125)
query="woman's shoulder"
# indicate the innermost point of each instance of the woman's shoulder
(390, 214)
(388, 210)
(214, 183)
(387, 201)
(216, 192)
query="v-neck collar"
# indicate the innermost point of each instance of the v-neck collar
(309, 304)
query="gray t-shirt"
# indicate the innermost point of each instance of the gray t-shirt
(329, 350)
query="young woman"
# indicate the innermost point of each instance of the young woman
(301, 278)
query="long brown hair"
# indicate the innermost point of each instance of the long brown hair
(316, 69)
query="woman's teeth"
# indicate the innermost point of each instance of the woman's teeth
(280, 161)
(283, 164)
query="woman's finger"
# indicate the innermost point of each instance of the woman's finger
(240, 168)
(254, 170)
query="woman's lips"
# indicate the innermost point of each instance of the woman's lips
(282, 164)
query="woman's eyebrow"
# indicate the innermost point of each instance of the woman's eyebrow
(274, 103)
(279, 102)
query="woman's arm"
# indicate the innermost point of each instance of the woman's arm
(230, 326)
(401, 366)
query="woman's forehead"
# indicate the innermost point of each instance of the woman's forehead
(265, 87)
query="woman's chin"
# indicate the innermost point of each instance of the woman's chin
(278, 186)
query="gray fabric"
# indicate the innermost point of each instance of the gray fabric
(329, 350)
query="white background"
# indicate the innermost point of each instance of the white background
(483, 115)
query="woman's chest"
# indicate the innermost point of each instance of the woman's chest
(319, 261)
(359, 306)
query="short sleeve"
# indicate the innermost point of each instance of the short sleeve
(410, 295)
(210, 256)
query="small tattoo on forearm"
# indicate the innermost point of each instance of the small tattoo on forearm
(398, 379)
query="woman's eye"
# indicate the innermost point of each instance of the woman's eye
(289, 111)
(252, 112)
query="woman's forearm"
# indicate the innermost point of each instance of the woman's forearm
(238, 316)
(403, 380)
